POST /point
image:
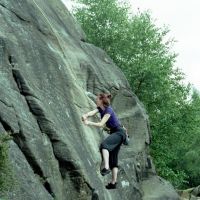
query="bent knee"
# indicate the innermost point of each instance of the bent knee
(114, 166)
(104, 146)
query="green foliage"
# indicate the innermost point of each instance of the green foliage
(143, 51)
(6, 174)
(191, 160)
(191, 165)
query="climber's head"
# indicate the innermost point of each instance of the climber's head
(103, 99)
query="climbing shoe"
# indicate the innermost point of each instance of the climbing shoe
(111, 186)
(105, 171)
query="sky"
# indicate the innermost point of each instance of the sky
(182, 17)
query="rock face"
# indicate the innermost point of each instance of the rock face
(190, 193)
(47, 76)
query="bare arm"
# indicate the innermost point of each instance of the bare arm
(99, 124)
(89, 114)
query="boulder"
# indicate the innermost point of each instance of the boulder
(48, 75)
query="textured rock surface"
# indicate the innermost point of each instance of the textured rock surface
(190, 193)
(46, 74)
(156, 188)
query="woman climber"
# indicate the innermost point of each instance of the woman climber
(110, 146)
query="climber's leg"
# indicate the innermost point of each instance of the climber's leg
(113, 183)
(108, 145)
(102, 163)
(113, 162)
(105, 155)
(114, 175)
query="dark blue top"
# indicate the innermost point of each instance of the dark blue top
(113, 121)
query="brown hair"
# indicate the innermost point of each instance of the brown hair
(105, 98)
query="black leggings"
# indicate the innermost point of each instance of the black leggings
(112, 143)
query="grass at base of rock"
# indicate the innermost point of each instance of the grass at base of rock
(7, 180)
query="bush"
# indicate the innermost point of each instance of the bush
(6, 173)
